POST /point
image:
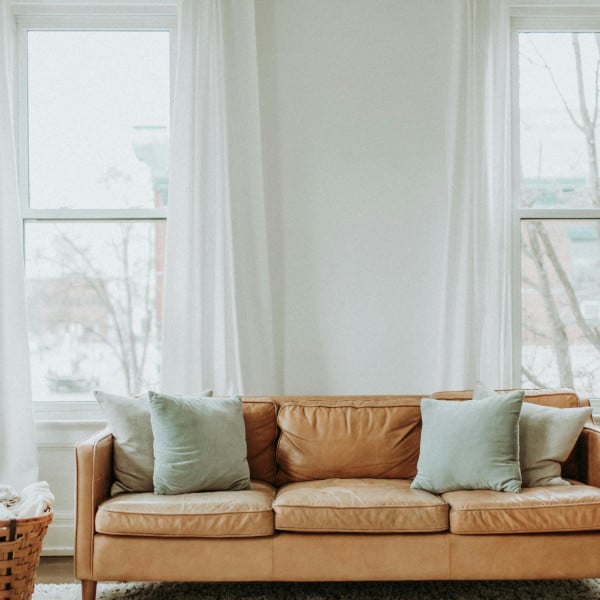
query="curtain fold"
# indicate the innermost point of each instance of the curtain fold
(217, 322)
(18, 452)
(476, 339)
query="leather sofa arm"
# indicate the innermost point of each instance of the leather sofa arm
(589, 454)
(94, 464)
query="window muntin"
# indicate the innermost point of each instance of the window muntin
(94, 108)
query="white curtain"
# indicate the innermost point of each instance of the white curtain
(18, 452)
(476, 330)
(217, 326)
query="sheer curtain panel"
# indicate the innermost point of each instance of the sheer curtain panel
(217, 327)
(18, 452)
(476, 330)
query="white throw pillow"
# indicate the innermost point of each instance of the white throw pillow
(133, 457)
(547, 435)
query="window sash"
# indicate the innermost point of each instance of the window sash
(529, 16)
(79, 18)
(128, 15)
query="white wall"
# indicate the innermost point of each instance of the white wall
(354, 104)
(353, 95)
(57, 429)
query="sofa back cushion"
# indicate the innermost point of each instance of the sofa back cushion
(260, 416)
(340, 437)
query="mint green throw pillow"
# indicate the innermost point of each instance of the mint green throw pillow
(470, 445)
(199, 444)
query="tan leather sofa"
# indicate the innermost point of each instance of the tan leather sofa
(331, 500)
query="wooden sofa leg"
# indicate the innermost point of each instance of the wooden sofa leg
(88, 589)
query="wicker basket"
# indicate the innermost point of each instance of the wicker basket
(20, 546)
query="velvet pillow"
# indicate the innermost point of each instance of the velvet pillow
(133, 458)
(547, 436)
(470, 445)
(199, 444)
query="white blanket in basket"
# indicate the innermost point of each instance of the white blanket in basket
(32, 501)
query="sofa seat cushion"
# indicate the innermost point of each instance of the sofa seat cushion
(534, 510)
(244, 513)
(358, 505)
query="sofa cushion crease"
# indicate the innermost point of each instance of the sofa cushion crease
(260, 418)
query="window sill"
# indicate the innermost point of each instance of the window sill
(67, 411)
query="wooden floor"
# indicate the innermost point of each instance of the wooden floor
(55, 569)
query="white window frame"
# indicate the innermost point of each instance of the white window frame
(529, 16)
(127, 15)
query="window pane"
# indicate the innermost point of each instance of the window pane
(558, 95)
(98, 118)
(561, 304)
(94, 298)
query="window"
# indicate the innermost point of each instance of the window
(93, 131)
(557, 180)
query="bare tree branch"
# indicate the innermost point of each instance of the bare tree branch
(590, 333)
(596, 93)
(121, 316)
(559, 332)
(101, 290)
(557, 88)
(537, 382)
(147, 324)
(538, 334)
(588, 126)
(530, 283)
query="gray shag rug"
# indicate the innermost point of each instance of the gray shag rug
(571, 589)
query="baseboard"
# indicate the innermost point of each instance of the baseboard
(56, 440)
(59, 540)
(57, 551)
